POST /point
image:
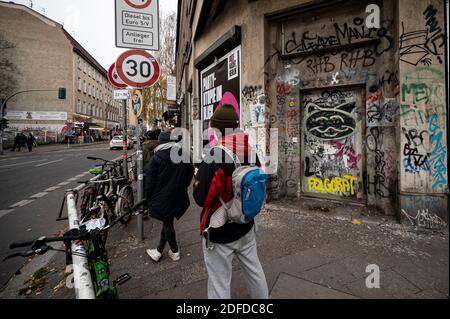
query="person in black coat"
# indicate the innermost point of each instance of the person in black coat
(166, 185)
(30, 142)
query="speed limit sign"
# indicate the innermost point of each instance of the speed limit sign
(138, 68)
(114, 79)
(139, 4)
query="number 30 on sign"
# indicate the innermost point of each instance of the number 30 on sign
(138, 68)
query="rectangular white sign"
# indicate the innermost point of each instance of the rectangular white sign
(36, 116)
(171, 88)
(137, 24)
(121, 94)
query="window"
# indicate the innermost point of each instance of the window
(85, 86)
(78, 110)
(79, 84)
(79, 63)
(84, 108)
(84, 67)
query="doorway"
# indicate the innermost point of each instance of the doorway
(332, 143)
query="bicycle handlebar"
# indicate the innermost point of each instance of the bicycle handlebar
(38, 246)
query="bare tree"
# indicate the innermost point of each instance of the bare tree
(8, 71)
(155, 97)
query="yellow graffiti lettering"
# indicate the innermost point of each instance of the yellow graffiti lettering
(345, 184)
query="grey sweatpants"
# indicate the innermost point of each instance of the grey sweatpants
(218, 261)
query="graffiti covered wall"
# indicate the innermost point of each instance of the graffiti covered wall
(335, 143)
(423, 118)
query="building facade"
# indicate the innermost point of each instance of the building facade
(346, 100)
(47, 58)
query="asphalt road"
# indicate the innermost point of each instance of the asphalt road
(32, 187)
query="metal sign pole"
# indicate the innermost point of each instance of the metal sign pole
(140, 189)
(125, 139)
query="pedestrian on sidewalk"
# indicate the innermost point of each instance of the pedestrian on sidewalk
(30, 141)
(19, 141)
(212, 181)
(166, 185)
(16, 143)
(151, 142)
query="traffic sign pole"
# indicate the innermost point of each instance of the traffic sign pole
(125, 139)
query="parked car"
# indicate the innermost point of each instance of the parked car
(117, 143)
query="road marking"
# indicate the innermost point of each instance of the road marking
(39, 195)
(72, 179)
(60, 160)
(22, 203)
(24, 163)
(63, 184)
(51, 189)
(9, 158)
(80, 176)
(5, 212)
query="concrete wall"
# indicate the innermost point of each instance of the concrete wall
(300, 57)
(423, 118)
(322, 59)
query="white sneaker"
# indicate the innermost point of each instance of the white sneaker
(174, 256)
(154, 254)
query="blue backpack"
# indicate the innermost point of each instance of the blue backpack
(249, 189)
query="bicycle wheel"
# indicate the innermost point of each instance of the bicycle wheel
(87, 201)
(124, 203)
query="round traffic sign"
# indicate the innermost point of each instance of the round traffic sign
(138, 68)
(139, 4)
(114, 78)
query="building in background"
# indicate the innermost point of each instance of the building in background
(359, 109)
(47, 57)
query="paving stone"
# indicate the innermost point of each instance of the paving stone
(291, 287)
(392, 285)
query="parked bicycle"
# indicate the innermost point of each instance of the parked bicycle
(107, 196)
(90, 234)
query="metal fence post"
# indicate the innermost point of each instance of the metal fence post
(140, 189)
(84, 289)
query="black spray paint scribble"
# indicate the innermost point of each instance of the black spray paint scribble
(331, 117)
(417, 46)
(346, 33)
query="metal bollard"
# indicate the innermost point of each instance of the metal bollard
(140, 190)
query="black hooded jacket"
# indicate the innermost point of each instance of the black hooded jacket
(166, 185)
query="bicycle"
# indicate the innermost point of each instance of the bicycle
(90, 193)
(90, 234)
(114, 194)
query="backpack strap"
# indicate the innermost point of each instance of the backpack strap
(234, 157)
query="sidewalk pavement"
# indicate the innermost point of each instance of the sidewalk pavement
(308, 249)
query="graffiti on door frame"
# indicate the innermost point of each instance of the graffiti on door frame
(332, 142)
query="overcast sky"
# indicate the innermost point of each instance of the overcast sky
(90, 22)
